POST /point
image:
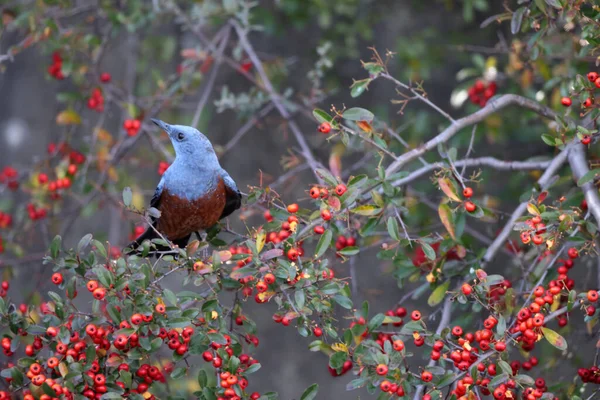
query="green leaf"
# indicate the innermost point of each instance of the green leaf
(358, 114)
(359, 87)
(343, 301)
(548, 139)
(178, 372)
(84, 242)
(55, 246)
(321, 116)
(252, 368)
(428, 250)
(349, 251)
(525, 380)
(310, 392)
(393, 229)
(127, 196)
(375, 322)
(170, 296)
(588, 177)
(501, 326)
(324, 243)
(517, 20)
(505, 367)
(366, 210)
(48, 390)
(554, 3)
(438, 294)
(571, 301)
(300, 298)
(326, 176)
(337, 359)
(554, 338)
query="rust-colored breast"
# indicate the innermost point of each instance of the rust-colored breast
(180, 217)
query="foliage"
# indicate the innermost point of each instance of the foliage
(487, 321)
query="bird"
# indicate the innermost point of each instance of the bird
(194, 193)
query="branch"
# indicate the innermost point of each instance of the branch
(213, 74)
(579, 165)
(544, 181)
(492, 107)
(476, 162)
(276, 99)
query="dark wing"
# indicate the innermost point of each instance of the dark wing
(233, 197)
(155, 201)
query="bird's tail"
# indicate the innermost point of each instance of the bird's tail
(150, 234)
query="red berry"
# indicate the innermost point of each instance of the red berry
(293, 208)
(57, 278)
(105, 77)
(340, 189)
(326, 215)
(470, 206)
(566, 101)
(315, 192)
(415, 315)
(292, 254)
(325, 127)
(468, 192)
(587, 103)
(426, 376)
(586, 139)
(398, 345)
(381, 369)
(207, 356)
(592, 296)
(317, 331)
(592, 76)
(319, 230)
(573, 253)
(466, 289)
(269, 278)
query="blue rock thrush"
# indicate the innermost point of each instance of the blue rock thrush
(194, 192)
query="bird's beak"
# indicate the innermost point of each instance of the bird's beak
(162, 125)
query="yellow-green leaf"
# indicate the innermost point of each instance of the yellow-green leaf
(367, 210)
(446, 216)
(554, 338)
(261, 237)
(68, 117)
(448, 188)
(438, 294)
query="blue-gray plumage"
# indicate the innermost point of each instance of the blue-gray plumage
(194, 192)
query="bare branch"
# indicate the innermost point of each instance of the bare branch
(579, 165)
(543, 183)
(476, 162)
(492, 107)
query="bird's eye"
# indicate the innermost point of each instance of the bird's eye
(180, 136)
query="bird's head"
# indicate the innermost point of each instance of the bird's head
(191, 146)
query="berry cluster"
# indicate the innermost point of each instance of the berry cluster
(132, 126)
(480, 93)
(594, 78)
(96, 100)
(589, 375)
(55, 69)
(5, 220)
(9, 177)
(36, 213)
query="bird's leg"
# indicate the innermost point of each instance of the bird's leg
(202, 238)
